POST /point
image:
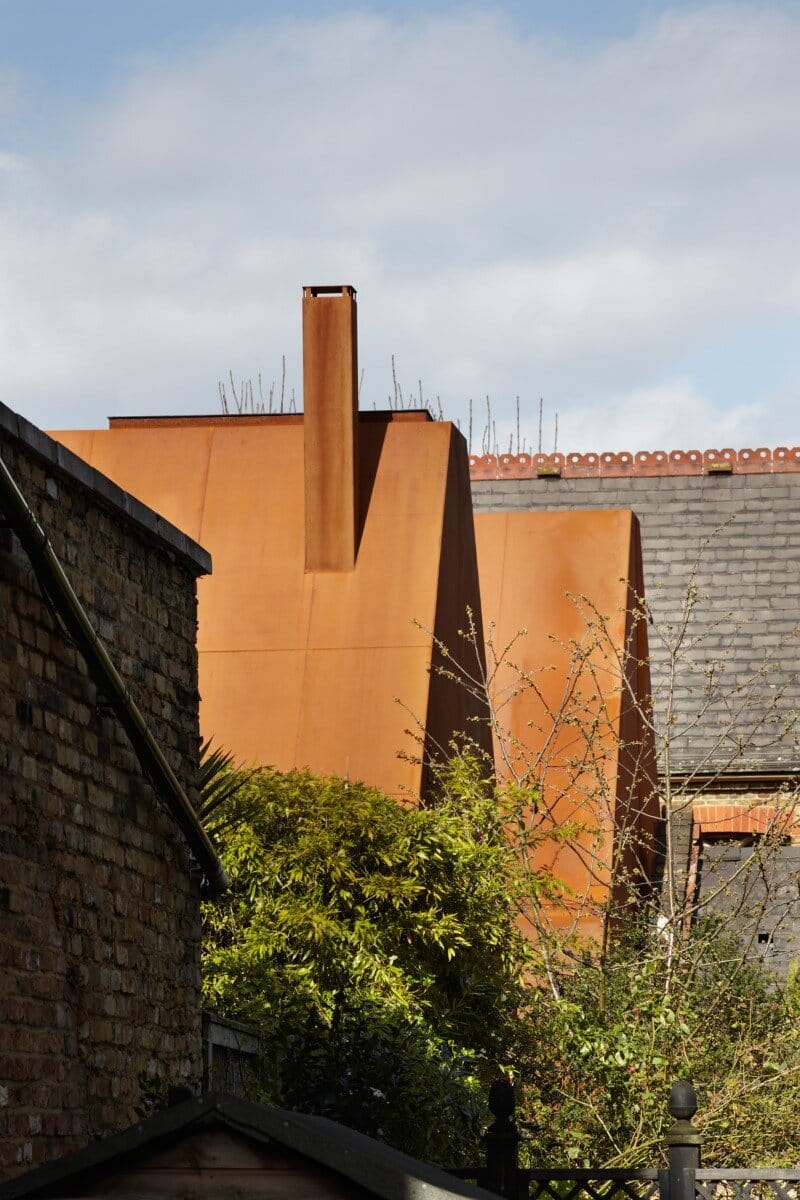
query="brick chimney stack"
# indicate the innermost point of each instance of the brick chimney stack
(330, 403)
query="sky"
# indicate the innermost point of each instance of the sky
(595, 204)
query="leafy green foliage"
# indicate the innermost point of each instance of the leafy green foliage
(390, 1077)
(599, 1061)
(375, 947)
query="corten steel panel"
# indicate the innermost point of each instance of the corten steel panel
(258, 596)
(330, 400)
(152, 466)
(451, 703)
(244, 710)
(638, 801)
(406, 469)
(79, 441)
(344, 685)
(564, 577)
(303, 668)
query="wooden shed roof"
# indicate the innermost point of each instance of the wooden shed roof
(366, 1167)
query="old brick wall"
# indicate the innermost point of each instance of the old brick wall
(99, 929)
(748, 608)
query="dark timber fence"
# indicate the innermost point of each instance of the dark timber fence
(682, 1179)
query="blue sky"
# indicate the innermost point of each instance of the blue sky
(73, 46)
(597, 203)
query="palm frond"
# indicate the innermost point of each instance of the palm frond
(219, 782)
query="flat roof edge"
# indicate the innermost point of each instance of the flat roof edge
(58, 456)
(229, 420)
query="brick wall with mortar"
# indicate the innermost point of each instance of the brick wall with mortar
(747, 527)
(99, 928)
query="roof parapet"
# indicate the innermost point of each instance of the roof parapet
(643, 463)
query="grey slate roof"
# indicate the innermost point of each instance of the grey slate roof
(746, 530)
(369, 1164)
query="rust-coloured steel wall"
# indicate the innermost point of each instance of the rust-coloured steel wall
(572, 581)
(330, 398)
(304, 668)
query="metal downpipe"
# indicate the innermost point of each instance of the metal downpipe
(58, 589)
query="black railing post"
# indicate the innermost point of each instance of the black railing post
(683, 1142)
(502, 1140)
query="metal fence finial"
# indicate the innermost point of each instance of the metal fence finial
(683, 1142)
(682, 1100)
(502, 1141)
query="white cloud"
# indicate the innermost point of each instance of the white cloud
(658, 418)
(518, 219)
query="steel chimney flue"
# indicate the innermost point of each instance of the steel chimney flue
(330, 403)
